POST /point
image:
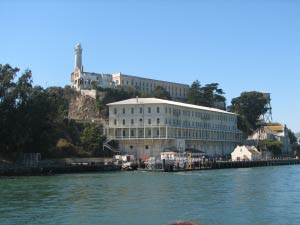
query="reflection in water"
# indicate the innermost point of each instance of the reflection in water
(267, 195)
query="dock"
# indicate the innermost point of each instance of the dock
(172, 166)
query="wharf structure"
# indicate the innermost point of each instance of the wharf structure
(145, 127)
(82, 80)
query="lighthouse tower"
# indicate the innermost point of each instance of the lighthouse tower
(78, 57)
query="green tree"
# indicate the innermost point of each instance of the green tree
(292, 136)
(109, 95)
(92, 138)
(209, 95)
(273, 146)
(32, 119)
(249, 106)
(160, 92)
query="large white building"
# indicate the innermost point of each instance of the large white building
(145, 127)
(82, 80)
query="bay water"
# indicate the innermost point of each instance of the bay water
(265, 195)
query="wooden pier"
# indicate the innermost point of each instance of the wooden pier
(169, 166)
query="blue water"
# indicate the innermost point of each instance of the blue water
(266, 195)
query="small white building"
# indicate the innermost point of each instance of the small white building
(245, 153)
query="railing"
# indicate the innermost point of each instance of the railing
(107, 146)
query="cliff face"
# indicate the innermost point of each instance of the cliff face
(83, 107)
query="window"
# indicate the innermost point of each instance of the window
(115, 110)
(123, 110)
(132, 121)
(157, 121)
(157, 109)
(132, 133)
(131, 147)
(149, 109)
(124, 133)
(149, 132)
(157, 132)
(149, 121)
(123, 121)
(141, 110)
(146, 147)
(115, 122)
(132, 110)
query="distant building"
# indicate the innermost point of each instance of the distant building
(298, 140)
(274, 132)
(245, 153)
(82, 80)
(145, 127)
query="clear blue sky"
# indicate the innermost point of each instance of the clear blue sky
(242, 45)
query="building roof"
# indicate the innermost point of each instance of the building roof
(254, 151)
(277, 128)
(136, 101)
(251, 149)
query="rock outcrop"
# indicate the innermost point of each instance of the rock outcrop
(83, 107)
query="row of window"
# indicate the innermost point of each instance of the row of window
(132, 133)
(140, 110)
(186, 134)
(132, 121)
(145, 86)
(177, 113)
(185, 123)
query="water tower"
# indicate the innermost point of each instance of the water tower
(267, 117)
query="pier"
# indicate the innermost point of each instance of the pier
(60, 166)
(173, 166)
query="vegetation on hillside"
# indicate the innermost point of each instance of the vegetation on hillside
(249, 106)
(34, 119)
(209, 95)
(273, 146)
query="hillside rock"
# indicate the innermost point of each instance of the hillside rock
(83, 107)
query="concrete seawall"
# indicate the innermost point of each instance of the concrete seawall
(15, 170)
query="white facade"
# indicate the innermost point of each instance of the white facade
(245, 153)
(85, 80)
(176, 90)
(146, 126)
(274, 132)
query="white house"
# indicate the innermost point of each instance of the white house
(245, 153)
(145, 127)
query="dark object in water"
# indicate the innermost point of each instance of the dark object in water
(184, 223)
